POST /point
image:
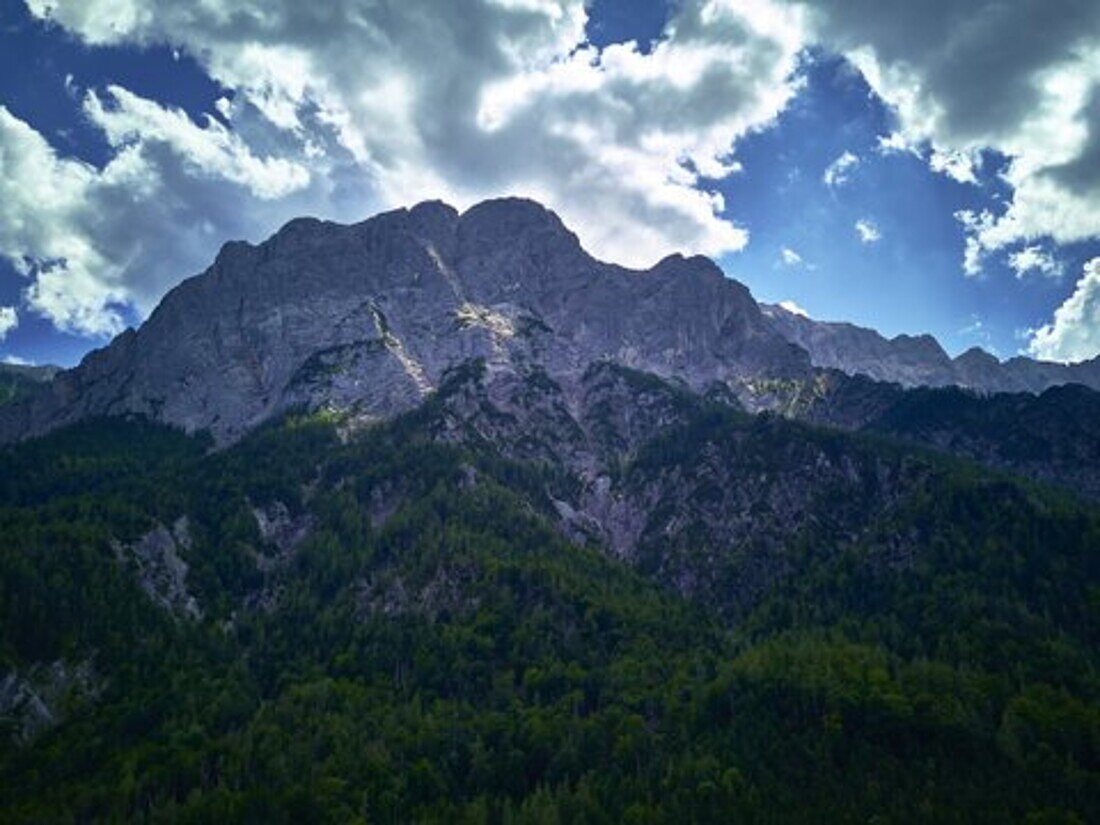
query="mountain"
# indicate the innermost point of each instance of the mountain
(18, 380)
(510, 603)
(496, 532)
(920, 361)
(367, 318)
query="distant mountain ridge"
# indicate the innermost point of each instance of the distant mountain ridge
(31, 372)
(920, 361)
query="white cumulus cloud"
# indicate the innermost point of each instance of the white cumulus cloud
(1034, 259)
(867, 230)
(839, 171)
(793, 308)
(9, 320)
(1074, 332)
(91, 242)
(1021, 78)
(129, 120)
(789, 257)
(346, 107)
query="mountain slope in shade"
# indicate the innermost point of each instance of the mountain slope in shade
(919, 361)
(17, 381)
(367, 318)
(778, 622)
(1050, 436)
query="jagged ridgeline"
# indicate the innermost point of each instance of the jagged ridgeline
(437, 519)
(367, 318)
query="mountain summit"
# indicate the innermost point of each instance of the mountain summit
(367, 318)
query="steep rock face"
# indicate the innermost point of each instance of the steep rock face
(41, 697)
(159, 568)
(708, 500)
(367, 318)
(583, 424)
(907, 360)
(727, 506)
(919, 361)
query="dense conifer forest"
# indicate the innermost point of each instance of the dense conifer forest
(435, 650)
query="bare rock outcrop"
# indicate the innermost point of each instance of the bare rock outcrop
(160, 569)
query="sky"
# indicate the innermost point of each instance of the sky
(912, 167)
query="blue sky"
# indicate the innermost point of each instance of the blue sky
(911, 280)
(136, 137)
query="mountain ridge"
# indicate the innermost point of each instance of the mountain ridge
(320, 310)
(611, 549)
(919, 360)
(366, 318)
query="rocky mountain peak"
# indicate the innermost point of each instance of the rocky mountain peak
(976, 356)
(369, 317)
(434, 221)
(923, 345)
(510, 221)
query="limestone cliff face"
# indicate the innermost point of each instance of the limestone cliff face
(368, 318)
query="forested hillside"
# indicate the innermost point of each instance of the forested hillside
(401, 623)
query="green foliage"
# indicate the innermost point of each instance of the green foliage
(434, 650)
(1051, 436)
